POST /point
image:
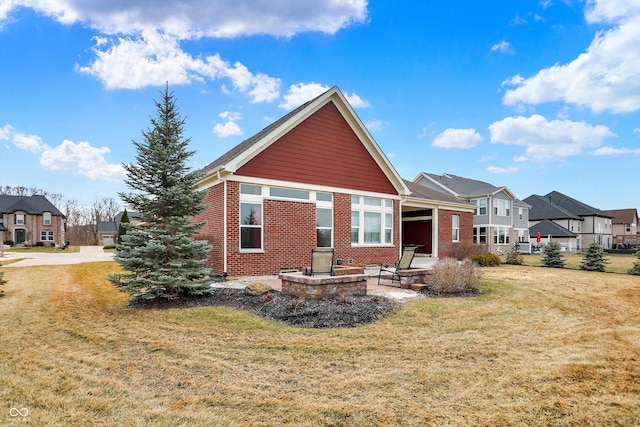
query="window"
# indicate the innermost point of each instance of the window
(501, 235)
(522, 236)
(46, 218)
(19, 219)
(289, 193)
(520, 214)
(250, 217)
(46, 235)
(371, 221)
(501, 207)
(481, 206)
(455, 228)
(324, 227)
(627, 227)
(480, 235)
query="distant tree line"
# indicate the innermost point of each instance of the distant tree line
(82, 220)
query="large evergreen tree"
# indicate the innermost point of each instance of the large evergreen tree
(593, 259)
(160, 256)
(552, 256)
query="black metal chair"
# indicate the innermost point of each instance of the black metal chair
(408, 252)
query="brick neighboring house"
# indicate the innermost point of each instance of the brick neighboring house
(316, 178)
(500, 219)
(586, 222)
(625, 227)
(27, 220)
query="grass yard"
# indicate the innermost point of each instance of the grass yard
(617, 263)
(540, 347)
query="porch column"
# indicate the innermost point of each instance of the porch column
(434, 231)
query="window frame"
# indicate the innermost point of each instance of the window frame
(455, 228)
(506, 233)
(249, 197)
(46, 218)
(46, 236)
(21, 221)
(363, 207)
(502, 207)
(477, 235)
(480, 206)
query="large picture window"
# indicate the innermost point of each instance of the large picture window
(371, 221)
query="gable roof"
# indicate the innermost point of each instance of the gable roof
(547, 227)
(426, 194)
(244, 152)
(623, 216)
(107, 227)
(466, 187)
(544, 208)
(574, 206)
(33, 205)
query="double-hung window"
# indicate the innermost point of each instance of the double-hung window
(455, 228)
(371, 221)
(481, 206)
(480, 235)
(251, 232)
(46, 235)
(46, 218)
(19, 219)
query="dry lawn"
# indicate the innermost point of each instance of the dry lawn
(616, 263)
(541, 347)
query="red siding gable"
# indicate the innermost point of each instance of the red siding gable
(321, 150)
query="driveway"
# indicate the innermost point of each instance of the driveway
(86, 254)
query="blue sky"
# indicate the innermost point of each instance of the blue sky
(534, 95)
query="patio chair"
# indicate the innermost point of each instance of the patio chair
(408, 252)
(321, 261)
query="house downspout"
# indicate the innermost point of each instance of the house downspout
(224, 226)
(434, 238)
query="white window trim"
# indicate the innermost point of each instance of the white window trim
(46, 218)
(253, 199)
(383, 209)
(455, 228)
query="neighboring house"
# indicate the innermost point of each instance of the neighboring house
(317, 178)
(588, 223)
(27, 220)
(108, 230)
(500, 219)
(625, 227)
(549, 231)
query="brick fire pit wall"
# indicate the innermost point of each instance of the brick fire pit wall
(316, 287)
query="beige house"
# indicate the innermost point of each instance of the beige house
(625, 227)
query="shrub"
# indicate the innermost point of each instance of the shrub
(8, 242)
(635, 270)
(486, 260)
(552, 256)
(593, 259)
(450, 275)
(40, 244)
(468, 250)
(514, 256)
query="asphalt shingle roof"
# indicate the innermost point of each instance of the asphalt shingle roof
(36, 204)
(623, 216)
(556, 205)
(549, 228)
(422, 192)
(463, 186)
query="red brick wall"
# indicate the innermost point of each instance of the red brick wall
(289, 234)
(446, 247)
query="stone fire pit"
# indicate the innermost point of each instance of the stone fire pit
(316, 287)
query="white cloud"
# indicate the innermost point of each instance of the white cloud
(502, 47)
(548, 140)
(224, 130)
(513, 80)
(81, 157)
(189, 19)
(155, 59)
(86, 159)
(611, 151)
(375, 125)
(498, 169)
(300, 93)
(457, 138)
(604, 77)
(636, 130)
(231, 116)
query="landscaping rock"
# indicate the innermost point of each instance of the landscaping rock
(257, 288)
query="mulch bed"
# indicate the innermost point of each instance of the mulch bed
(289, 309)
